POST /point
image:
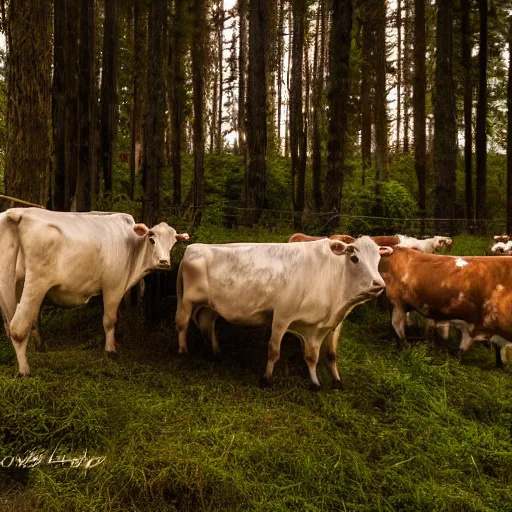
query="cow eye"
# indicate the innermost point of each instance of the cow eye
(151, 241)
(354, 259)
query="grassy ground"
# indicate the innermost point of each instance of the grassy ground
(411, 430)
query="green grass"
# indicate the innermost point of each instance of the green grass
(411, 430)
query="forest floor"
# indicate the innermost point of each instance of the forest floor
(153, 431)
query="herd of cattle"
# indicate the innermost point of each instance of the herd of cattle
(306, 287)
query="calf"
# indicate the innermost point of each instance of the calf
(471, 289)
(70, 257)
(303, 288)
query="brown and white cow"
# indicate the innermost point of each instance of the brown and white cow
(473, 291)
(70, 257)
(303, 288)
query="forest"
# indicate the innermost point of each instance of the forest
(246, 121)
(364, 108)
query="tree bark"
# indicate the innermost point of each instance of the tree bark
(481, 116)
(419, 103)
(398, 74)
(407, 72)
(139, 89)
(59, 105)
(366, 103)
(109, 98)
(509, 130)
(316, 100)
(296, 118)
(257, 107)
(468, 105)
(29, 104)
(445, 148)
(381, 120)
(338, 98)
(85, 107)
(198, 72)
(178, 99)
(154, 127)
(242, 73)
(221, 74)
(71, 85)
(280, 44)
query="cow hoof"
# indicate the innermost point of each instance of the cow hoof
(314, 387)
(337, 384)
(265, 383)
(113, 356)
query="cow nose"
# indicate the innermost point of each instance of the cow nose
(378, 283)
(164, 263)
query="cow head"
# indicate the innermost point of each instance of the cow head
(441, 242)
(162, 238)
(361, 265)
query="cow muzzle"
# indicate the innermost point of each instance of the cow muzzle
(164, 264)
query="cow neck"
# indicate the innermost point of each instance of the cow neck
(142, 259)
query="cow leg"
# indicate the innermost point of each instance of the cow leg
(398, 322)
(311, 356)
(274, 351)
(330, 346)
(24, 318)
(111, 303)
(183, 314)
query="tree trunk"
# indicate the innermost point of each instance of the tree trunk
(221, 74)
(71, 86)
(242, 73)
(59, 105)
(338, 97)
(109, 99)
(317, 105)
(398, 73)
(271, 66)
(366, 104)
(154, 127)
(139, 89)
(407, 72)
(29, 102)
(481, 116)
(381, 120)
(256, 173)
(468, 105)
(280, 44)
(296, 119)
(179, 96)
(445, 148)
(509, 130)
(198, 72)
(85, 107)
(287, 112)
(419, 103)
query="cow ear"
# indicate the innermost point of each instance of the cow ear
(385, 250)
(338, 248)
(141, 229)
(182, 236)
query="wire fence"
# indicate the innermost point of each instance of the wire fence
(322, 223)
(188, 218)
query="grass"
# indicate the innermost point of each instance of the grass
(411, 430)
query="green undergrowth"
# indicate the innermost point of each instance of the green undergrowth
(412, 429)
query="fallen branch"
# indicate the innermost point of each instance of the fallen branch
(20, 201)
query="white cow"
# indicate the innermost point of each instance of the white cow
(306, 288)
(70, 257)
(430, 245)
